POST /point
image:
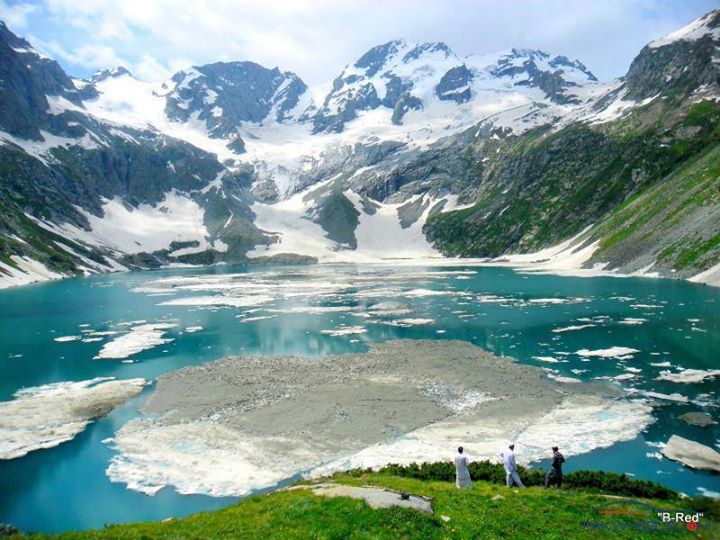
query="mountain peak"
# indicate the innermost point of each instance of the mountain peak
(678, 63)
(428, 47)
(225, 95)
(15, 42)
(112, 73)
(377, 56)
(528, 53)
(532, 62)
(706, 26)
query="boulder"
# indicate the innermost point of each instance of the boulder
(698, 419)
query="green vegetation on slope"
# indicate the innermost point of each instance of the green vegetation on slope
(676, 222)
(487, 511)
(656, 168)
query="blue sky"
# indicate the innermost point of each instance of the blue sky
(316, 38)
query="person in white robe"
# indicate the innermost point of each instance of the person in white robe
(462, 474)
(511, 473)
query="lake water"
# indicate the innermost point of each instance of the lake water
(320, 310)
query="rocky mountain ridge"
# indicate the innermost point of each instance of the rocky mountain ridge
(415, 152)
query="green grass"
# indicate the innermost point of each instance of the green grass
(689, 255)
(702, 113)
(487, 511)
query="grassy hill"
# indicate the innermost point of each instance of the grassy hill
(488, 511)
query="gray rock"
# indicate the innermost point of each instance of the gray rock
(698, 419)
(375, 497)
(454, 85)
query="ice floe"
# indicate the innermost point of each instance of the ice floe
(63, 339)
(578, 425)
(632, 321)
(688, 375)
(202, 458)
(411, 322)
(257, 318)
(140, 338)
(48, 415)
(679, 398)
(572, 328)
(692, 454)
(345, 331)
(620, 353)
(193, 329)
(708, 493)
(548, 359)
(229, 301)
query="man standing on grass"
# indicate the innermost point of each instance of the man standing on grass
(511, 472)
(462, 474)
(554, 476)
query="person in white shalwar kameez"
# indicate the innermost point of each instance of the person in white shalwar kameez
(462, 474)
(511, 472)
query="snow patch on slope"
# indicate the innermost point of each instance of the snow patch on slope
(41, 149)
(697, 29)
(147, 228)
(124, 100)
(565, 258)
(27, 271)
(711, 276)
(380, 236)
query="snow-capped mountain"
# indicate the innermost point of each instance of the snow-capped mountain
(403, 76)
(415, 151)
(225, 95)
(555, 75)
(205, 105)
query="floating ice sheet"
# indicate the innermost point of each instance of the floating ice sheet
(49, 415)
(400, 403)
(140, 338)
(620, 353)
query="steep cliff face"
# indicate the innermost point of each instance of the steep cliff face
(678, 63)
(28, 79)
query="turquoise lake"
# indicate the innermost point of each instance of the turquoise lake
(672, 326)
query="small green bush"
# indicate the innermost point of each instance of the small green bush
(606, 482)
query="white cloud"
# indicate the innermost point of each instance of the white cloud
(94, 57)
(316, 38)
(149, 68)
(16, 15)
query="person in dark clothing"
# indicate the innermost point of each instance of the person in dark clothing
(554, 476)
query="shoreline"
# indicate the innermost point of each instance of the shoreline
(709, 277)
